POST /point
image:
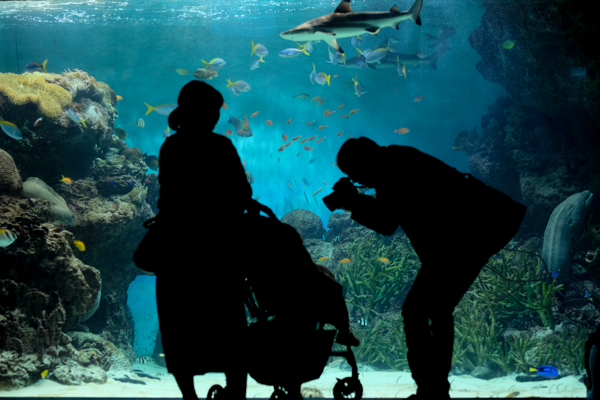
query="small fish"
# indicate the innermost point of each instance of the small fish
(74, 117)
(300, 96)
(335, 76)
(35, 66)
(11, 130)
(240, 85)
(362, 322)
(344, 261)
(162, 109)
(356, 40)
(151, 161)
(289, 120)
(341, 106)
(68, 181)
(285, 138)
(354, 111)
(215, 63)
(296, 138)
(166, 133)
(322, 259)
(358, 89)
(288, 144)
(321, 101)
(339, 133)
(329, 113)
(299, 154)
(289, 52)
(295, 183)
(140, 123)
(384, 260)
(344, 116)
(312, 137)
(254, 114)
(315, 99)
(119, 98)
(420, 54)
(255, 64)
(181, 71)
(281, 149)
(512, 394)
(321, 139)
(142, 360)
(249, 177)
(323, 78)
(120, 133)
(402, 131)
(509, 44)
(203, 73)
(304, 140)
(44, 374)
(419, 98)
(6, 237)
(555, 273)
(225, 106)
(587, 296)
(322, 127)
(325, 183)
(79, 244)
(290, 186)
(316, 192)
(545, 370)
(269, 122)
(310, 123)
(259, 49)
(326, 111)
(112, 183)
(307, 148)
(132, 183)
(37, 121)
(404, 71)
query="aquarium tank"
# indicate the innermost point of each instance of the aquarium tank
(504, 90)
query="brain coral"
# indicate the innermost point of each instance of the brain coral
(10, 180)
(36, 188)
(33, 88)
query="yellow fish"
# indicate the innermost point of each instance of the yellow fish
(512, 394)
(44, 374)
(68, 181)
(181, 71)
(79, 244)
(509, 44)
(6, 237)
(384, 260)
(322, 259)
(344, 260)
(119, 98)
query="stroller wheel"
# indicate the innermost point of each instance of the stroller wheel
(216, 392)
(348, 388)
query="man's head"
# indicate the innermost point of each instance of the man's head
(199, 106)
(357, 158)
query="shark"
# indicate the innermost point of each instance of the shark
(391, 60)
(344, 22)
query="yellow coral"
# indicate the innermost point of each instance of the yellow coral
(33, 88)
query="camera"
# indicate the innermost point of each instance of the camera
(343, 194)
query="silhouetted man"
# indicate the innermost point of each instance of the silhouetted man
(454, 222)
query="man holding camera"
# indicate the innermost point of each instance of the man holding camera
(454, 222)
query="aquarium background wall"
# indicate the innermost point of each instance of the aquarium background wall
(504, 90)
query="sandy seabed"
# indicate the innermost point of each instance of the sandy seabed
(376, 384)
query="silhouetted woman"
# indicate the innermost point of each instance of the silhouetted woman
(200, 295)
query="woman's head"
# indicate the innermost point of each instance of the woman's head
(357, 158)
(199, 105)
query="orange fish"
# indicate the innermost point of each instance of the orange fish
(322, 126)
(246, 124)
(284, 138)
(401, 131)
(244, 164)
(287, 144)
(68, 181)
(296, 138)
(289, 120)
(309, 123)
(254, 114)
(321, 101)
(303, 140)
(228, 132)
(315, 99)
(225, 106)
(326, 111)
(269, 122)
(335, 76)
(311, 138)
(281, 148)
(335, 165)
(349, 137)
(344, 116)
(307, 148)
(329, 113)
(340, 107)
(419, 98)
(354, 111)
(119, 98)
(320, 140)
(339, 133)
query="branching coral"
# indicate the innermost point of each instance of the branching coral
(33, 88)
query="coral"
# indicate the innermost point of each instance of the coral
(132, 154)
(10, 180)
(307, 223)
(33, 88)
(137, 196)
(465, 141)
(36, 188)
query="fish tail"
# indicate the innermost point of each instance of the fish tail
(215, 72)
(44, 65)
(229, 83)
(261, 60)
(434, 58)
(150, 108)
(83, 122)
(253, 47)
(414, 12)
(205, 63)
(327, 78)
(305, 52)
(359, 52)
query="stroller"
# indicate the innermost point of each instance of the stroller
(269, 338)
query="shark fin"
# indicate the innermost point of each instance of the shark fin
(334, 44)
(415, 10)
(373, 30)
(394, 8)
(343, 7)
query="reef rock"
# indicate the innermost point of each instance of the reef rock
(307, 223)
(114, 360)
(10, 180)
